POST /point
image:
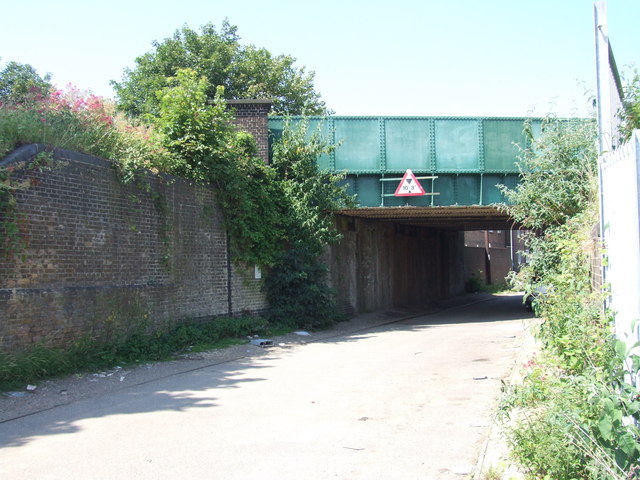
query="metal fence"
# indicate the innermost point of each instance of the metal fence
(619, 170)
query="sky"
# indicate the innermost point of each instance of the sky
(370, 57)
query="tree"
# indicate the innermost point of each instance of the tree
(20, 81)
(296, 286)
(207, 148)
(245, 71)
(630, 113)
(313, 195)
(278, 216)
(558, 175)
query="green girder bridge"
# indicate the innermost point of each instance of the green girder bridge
(463, 158)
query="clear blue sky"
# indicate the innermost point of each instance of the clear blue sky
(400, 57)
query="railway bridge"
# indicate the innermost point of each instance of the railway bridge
(399, 250)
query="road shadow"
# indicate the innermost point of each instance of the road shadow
(184, 393)
(481, 308)
(192, 384)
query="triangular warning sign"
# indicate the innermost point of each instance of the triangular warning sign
(409, 186)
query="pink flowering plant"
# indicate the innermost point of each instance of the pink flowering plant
(81, 121)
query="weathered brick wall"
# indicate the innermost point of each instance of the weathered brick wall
(378, 265)
(500, 263)
(101, 257)
(251, 116)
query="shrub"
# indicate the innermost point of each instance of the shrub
(567, 417)
(297, 292)
(83, 122)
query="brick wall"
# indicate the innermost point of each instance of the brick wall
(101, 257)
(475, 263)
(499, 243)
(251, 116)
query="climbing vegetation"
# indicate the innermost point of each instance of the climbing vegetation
(296, 287)
(273, 213)
(573, 416)
(279, 216)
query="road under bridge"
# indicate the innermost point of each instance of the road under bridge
(399, 250)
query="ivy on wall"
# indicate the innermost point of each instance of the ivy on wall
(278, 216)
(273, 213)
(12, 242)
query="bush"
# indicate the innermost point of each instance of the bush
(567, 426)
(567, 417)
(298, 294)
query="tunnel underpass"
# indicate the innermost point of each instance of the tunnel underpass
(400, 256)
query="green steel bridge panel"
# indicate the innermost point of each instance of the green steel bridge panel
(350, 182)
(452, 189)
(510, 181)
(378, 145)
(408, 144)
(502, 142)
(467, 189)
(368, 189)
(389, 188)
(445, 186)
(457, 190)
(359, 148)
(490, 192)
(320, 125)
(457, 145)
(470, 156)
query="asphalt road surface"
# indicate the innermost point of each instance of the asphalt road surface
(411, 398)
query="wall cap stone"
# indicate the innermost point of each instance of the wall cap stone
(249, 101)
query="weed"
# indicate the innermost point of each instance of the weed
(42, 362)
(493, 473)
(574, 416)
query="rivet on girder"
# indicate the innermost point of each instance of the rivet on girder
(432, 147)
(481, 163)
(332, 132)
(383, 144)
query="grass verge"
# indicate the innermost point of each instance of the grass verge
(41, 362)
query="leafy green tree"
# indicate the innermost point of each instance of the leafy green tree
(630, 113)
(19, 82)
(244, 71)
(279, 216)
(558, 175)
(296, 286)
(209, 149)
(313, 195)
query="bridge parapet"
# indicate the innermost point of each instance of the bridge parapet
(469, 155)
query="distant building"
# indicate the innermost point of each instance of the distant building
(491, 254)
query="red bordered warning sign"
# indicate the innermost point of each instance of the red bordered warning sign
(409, 186)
